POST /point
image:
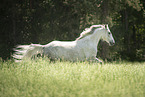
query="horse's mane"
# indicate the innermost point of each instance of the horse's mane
(89, 31)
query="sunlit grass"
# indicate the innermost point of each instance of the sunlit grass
(65, 79)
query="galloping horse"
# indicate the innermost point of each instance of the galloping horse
(83, 48)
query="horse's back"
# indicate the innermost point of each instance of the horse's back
(66, 44)
(66, 50)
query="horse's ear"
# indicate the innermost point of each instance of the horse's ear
(104, 26)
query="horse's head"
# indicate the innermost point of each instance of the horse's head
(107, 35)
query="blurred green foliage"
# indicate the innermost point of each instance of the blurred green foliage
(41, 21)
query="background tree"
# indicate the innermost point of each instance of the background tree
(41, 21)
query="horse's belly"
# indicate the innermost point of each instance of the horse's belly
(70, 55)
(64, 53)
(74, 56)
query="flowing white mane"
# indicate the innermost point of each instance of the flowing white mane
(89, 31)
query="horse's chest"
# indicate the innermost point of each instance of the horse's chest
(89, 52)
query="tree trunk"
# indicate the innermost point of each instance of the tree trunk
(14, 38)
(104, 51)
(133, 50)
(126, 34)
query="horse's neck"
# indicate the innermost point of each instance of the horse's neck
(91, 39)
(95, 38)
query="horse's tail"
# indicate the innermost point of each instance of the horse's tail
(27, 51)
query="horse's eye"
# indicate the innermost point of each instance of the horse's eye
(109, 33)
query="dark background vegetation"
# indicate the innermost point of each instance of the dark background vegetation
(41, 21)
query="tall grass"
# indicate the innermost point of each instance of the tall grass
(65, 79)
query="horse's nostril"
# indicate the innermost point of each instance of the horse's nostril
(112, 43)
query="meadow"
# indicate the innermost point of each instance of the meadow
(43, 78)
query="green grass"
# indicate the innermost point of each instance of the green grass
(65, 79)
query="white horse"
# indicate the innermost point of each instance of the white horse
(83, 48)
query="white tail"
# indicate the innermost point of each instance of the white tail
(27, 51)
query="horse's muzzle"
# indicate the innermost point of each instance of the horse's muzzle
(112, 43)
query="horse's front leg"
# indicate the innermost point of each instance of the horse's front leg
(94, 59)
(98, 60)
